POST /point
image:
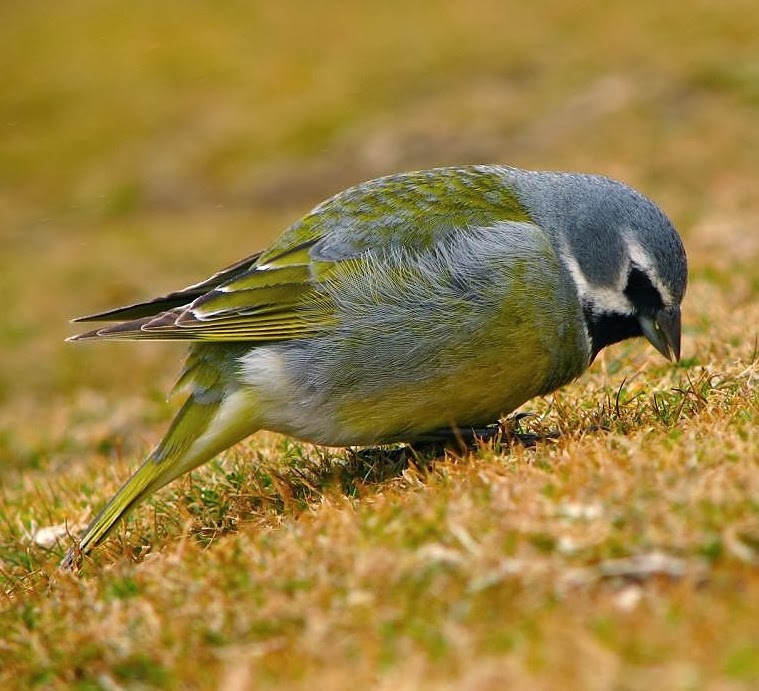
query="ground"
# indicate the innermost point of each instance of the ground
(142, 147)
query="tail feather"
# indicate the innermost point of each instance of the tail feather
(211, 420)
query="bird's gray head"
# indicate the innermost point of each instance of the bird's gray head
(623, 253)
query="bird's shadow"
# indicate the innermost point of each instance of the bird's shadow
(252, 491)
(305, 474)
(374, 465)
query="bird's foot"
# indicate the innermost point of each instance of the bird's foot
(463, 439)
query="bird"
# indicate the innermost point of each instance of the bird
(406, 308)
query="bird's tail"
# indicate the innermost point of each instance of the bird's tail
(212, 419)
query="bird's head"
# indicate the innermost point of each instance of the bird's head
(625, 258)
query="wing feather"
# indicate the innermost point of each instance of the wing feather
(278, 294)
(178, 298)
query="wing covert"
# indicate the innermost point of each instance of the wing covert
(277, 294)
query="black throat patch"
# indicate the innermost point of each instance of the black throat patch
(606, 328)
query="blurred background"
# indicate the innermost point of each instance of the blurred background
(145, 145)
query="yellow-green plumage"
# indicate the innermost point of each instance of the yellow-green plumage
(400, 308)
(214, 417)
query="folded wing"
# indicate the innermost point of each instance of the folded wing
(279, 294)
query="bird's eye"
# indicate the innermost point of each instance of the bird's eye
(642, 293)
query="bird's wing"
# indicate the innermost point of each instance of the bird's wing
(178, 298)
(278, 294)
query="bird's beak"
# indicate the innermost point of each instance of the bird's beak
(663, 331)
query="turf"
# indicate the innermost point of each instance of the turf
(144, 146)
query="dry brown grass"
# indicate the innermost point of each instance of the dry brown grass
(142, 147)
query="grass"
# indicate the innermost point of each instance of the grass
(143, 147)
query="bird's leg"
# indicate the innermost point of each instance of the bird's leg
(462, 439)
(458, 439)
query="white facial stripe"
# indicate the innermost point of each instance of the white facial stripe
(643, 261)
(605, 299)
